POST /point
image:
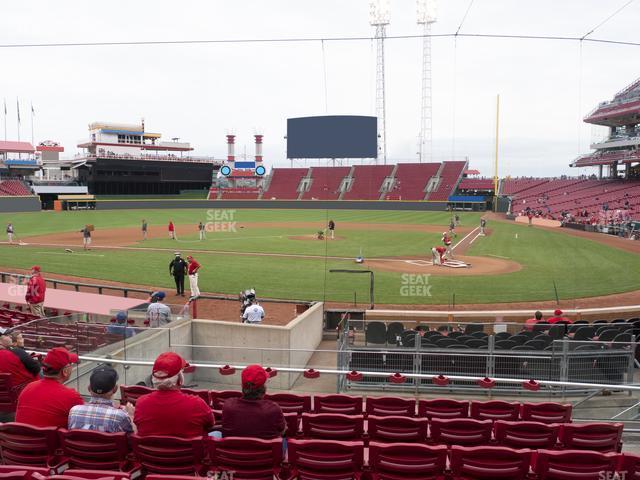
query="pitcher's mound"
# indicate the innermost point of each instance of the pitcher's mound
(315, 238)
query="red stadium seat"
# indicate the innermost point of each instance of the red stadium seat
(291, 403)
(574, 465)
(547, 412)
(132, 393)
(92, 450)
(395, 406)
(601, 437)
(7, 395)
(74, 474)
(443, 408)
(18, 472)
(245, 457)
(325, 459)
(522, 434)
(630, 464)
(344, 404)
(461, 431)
(489, 463)
(407, 461)
(22, 444)
(495, 410)
(169, 477)
(293, 424)
(170, 455)
(397, 429)
(218, 397)
(332, 426)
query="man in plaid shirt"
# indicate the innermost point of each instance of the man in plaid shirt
(99, 414)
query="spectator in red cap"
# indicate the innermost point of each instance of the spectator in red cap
(10, 363)
(36, 289)
(557, 317)
(46, 402)
(252, 415)
(168, 411)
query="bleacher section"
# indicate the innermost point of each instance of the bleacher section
(411, 180)
(14, 188)
(367, 182)
(284, 183)
(325, 183)
(476, 184)
(450, 174)
(554, 196)
(239, 193)
(511, 186)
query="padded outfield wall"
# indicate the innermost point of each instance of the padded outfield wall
(269, 204)
(20, 204)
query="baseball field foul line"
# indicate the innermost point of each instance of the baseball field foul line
(465, 237)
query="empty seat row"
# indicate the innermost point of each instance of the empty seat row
(604, 437)
(546, 412)
(51, 452)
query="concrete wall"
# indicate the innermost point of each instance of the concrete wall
(20, 204)
(277, 204)
(268, 345)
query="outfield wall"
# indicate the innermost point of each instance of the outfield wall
(160, 204)
(20, 204)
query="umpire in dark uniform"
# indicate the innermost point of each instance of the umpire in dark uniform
(178, 268)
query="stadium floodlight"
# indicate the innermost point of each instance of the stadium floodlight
(427, 11)
(379, 12)
(379, 16)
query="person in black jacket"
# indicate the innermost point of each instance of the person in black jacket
(17, 348)
(178, 268)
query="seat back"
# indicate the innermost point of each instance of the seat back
(523, 434)
(83, 474)
(7, 395)
(203, 394)
(495, 410)
(219, 396)
(332, 426)
(384, 406)
(602, 437)
(407, 460)
(461, 431)
(291, 403)
(546, 412)
(397, 429)
(245, 457)
(22, 444)
(131, 393)
(325, 459)
(23, 472)
(344, 404)
(95, 450)
(573, 465)
(443, 408)
(170, 455)
(489, 463)
(630, 463)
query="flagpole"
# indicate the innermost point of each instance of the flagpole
(32, 115)
(18, 110)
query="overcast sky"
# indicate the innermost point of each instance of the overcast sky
(202, 92)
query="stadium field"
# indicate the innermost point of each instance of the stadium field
(276, 252)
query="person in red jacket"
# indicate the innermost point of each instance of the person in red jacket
(36, 289)
(10, 363)
(172, 230)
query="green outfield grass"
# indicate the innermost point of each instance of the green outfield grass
(579, 267)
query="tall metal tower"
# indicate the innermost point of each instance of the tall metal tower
(379, 18)
(426, 18)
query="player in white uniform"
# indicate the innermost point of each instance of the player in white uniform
(254, 313)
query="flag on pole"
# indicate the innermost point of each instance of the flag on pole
(18, 108)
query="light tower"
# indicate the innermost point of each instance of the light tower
(426, 17)
(379, 18)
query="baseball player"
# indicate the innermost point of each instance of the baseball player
(483, 225)
(177, 268)
(446, 240)
(438, 255)
(201, 231)
(331, 226)
(144, 229)
(86, 237)
(193, 268)
(172, 230)
(10, 232)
